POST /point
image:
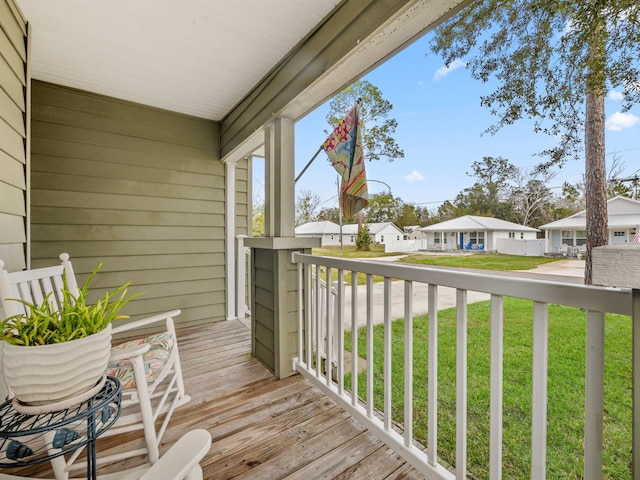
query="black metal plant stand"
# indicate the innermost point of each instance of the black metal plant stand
(33, 439)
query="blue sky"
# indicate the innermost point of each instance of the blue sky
(440, 125)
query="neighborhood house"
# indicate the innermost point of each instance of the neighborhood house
(329, 233)
(571, 232)
(472, 232)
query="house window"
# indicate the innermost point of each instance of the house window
(476, 238)
(521, 235)
(512, 234)
(581, 237)
(352, 239)
(397, 237)
(619, 234)
(381, 238)
(436, 238)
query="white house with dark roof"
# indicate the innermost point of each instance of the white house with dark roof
(472, 232)
(623, 220)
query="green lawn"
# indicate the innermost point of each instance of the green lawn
(565, 430)
(349, 251)
(489, 261)
(492, 261)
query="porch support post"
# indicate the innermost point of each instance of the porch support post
(280, 179)
(274, 316)
(635, 389)
(230, 229)
(284, 195)
(269, 180)
(617, 266)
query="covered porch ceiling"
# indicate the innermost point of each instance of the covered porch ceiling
(238, 62)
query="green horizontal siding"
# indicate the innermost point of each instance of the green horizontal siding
(13, 134)
(137, 188)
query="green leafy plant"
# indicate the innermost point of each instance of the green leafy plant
(363, 240)
(44, 324)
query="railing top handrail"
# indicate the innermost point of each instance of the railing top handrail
(589, 297)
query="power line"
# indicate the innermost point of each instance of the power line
(427, 203)
(627, 179)
(622, 151)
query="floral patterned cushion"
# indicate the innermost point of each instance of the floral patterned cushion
(154, 360)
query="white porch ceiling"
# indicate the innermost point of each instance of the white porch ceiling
(195, 57)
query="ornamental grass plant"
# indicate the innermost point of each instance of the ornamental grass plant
(50, 322)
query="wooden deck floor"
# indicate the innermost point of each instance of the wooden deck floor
(263, 428)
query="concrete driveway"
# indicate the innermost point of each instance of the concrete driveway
(568, 270)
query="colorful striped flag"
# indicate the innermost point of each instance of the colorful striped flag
(636, 237)
(344, 149)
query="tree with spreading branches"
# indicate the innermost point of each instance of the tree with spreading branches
(554, 62)
(378, 127)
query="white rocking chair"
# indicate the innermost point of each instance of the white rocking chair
(148, 369)
(181, 462)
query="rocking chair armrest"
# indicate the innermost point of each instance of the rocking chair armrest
(182, 457)
(129, 352)
(161, 317)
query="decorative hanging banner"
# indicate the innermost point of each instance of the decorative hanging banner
(344, 149)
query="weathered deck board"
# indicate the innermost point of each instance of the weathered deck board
(262, 428)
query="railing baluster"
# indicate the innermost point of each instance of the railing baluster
(594, 402)
(301, 312)
(408, 364)
(308, 315)
(539, 408)
(461, 384)
(340, 332)
(354, 338)
(497, 352)
(369, 346)
(318, 322)
(432, 446)
(387, 354)
(328, 328)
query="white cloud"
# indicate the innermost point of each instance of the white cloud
(619, 121)
(414, 177)
(444, 71)
(616, 96)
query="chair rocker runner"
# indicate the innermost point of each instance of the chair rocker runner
(181, 462)
(148, 368)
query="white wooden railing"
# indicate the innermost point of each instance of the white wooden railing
(243, 263)
(332, 319)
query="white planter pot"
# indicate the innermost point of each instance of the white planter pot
(54, 374)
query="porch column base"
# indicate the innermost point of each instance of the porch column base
(274, 319)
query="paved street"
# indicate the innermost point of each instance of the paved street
(569, 270)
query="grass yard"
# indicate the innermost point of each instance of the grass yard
(349, 251)
(565, 429)
(492, 261)
(489, 261)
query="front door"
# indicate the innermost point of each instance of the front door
(618, 237)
